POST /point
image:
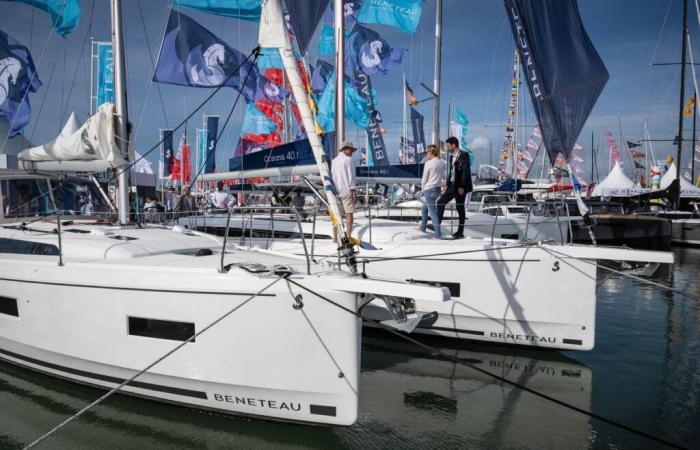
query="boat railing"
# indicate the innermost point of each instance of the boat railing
(249, 213)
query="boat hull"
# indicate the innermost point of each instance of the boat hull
(77, 323)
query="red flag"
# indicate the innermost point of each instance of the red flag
(272, 110)
(275, 75)
(186, 163)
(175, 170)
(271, 139)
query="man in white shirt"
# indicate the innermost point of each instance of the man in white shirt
(221, 199)
(343, 171)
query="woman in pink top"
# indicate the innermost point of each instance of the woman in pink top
(433, 179)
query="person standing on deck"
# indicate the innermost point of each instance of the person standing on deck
(343, 171)
(433, 179)
(459, 184)
(222, 200)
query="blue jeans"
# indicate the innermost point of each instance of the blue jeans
(430, 207)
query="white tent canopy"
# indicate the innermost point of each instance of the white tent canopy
(687, 188)
(92, 142)
(616, 184)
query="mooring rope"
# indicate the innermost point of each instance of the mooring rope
(148, 367)
(500, 378)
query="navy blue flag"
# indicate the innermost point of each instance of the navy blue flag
(564, 73)
(418, 132)
(367, 51)
(192, 56)
(212, 133)
(18, 77)
(166, 137)
(304, 16)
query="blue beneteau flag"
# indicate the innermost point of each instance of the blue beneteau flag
(192, 56)
(402, 14)
(366, 50)
(212, 131)
(64, 14)
(238, 9)
(18, 77)
(166, 137)
(418, 132)
(564, 73)
(356, 109)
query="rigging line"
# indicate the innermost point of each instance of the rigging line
(150, 366)
(47, 90)
(150, 56)
(628, 275)
(500, 378)
(88, 32)
(461, 252)
(34, 74)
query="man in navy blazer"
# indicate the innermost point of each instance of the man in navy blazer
(459, 183)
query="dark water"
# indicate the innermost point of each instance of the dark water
(644, 372)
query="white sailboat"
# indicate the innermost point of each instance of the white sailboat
(173, 315)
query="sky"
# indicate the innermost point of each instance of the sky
(477, 59)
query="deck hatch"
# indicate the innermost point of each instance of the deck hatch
(161, 329)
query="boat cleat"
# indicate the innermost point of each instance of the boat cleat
(404, 315)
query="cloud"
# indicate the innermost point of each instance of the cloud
(480, 143)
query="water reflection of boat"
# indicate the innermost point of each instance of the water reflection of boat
(424, 395)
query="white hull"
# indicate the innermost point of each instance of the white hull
(506, 292)
(118, 305)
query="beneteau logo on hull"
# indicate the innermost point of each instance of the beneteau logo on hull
(258, 402)
(524, 337)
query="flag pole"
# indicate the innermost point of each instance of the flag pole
(121, 110)
(438, 66)
(339, 25)
(692, 152)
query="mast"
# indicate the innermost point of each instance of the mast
(684, 43)
(436, 80)
(339, 25)
(121, 110)
(692, 151)
(593, 157)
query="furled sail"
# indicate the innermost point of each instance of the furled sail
(94, 141)
(564, 73)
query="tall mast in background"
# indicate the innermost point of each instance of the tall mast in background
(436, 81)
(121, 110)
(682, 99)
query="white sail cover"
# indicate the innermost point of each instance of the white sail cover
(687, 188)
(93, 141)
(616, 184)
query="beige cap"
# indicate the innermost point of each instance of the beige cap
(347, 144)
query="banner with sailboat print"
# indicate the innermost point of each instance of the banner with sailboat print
(18, 77)
(192, 56)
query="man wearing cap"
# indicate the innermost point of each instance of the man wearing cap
(343, 171)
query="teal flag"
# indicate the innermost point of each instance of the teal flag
(65, 14)
(462, 120)
(105, 74)
(326, 43)
(238, 9)
(356, 109)
(402, 14)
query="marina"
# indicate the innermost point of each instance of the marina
(234, 223)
